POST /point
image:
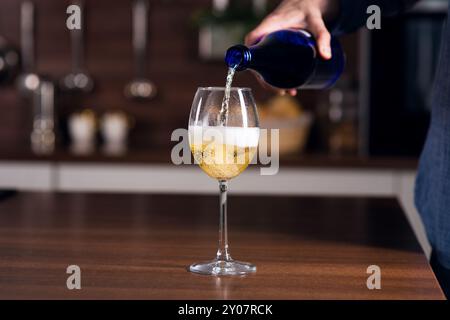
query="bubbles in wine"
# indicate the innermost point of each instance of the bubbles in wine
(223, 152)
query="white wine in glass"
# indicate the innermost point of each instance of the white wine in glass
(223, 142)
(224, 160)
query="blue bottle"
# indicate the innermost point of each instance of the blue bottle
(289, 59)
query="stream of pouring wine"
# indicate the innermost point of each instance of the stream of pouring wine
(223, 116)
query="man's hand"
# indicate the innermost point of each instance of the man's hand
(298, 14)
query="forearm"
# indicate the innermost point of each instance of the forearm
(352, 14)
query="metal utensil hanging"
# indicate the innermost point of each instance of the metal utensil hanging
(78, 80)
(28, 81)
(140, 87)
(9, 61)
(43, 134)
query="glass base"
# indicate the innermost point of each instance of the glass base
(223, 268)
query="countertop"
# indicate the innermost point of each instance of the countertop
(162, 156)
(139, 246)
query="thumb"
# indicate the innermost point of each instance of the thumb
(270, 24)
(254, 36)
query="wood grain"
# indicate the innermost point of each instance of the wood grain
(138, 247)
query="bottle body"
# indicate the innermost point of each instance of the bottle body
(289, 59)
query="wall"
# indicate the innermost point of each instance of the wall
(173, 66)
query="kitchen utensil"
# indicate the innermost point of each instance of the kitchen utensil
(43, 134)
(293, 123)
(78, 79)
(9, 61)
(82, 128)
(140, 87)
(114, 127)
(28, 81)
(292, 137)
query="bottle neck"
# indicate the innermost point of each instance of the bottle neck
(238, 57)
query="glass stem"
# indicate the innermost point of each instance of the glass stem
(222, 251)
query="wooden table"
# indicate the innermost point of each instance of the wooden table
(138, 246)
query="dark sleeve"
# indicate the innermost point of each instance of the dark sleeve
(353, 13)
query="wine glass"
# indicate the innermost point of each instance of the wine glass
(223, 140)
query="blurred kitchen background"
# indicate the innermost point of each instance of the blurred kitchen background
(94, 110)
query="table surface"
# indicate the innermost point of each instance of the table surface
(138, 247)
